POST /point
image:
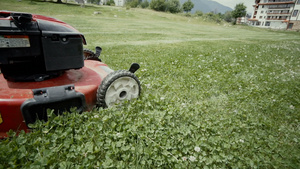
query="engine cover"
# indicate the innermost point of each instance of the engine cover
(32, 46)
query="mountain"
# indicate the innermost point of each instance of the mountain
(207, 6)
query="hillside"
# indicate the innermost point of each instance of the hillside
(213, 96)
(208, 6)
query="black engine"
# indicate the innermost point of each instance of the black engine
(35, 47)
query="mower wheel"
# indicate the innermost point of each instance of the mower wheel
(116, 87)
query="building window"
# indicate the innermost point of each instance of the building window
(257, 23)
(262, 12)
(260, 17)
(290, 26)
(298, 2)
(267, 24)
(295, 12)
(264, 5)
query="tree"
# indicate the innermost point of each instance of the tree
(145, 4)
(187, 6)
(239, 11)
(173, 6)
(133, 3)
(158, 5)
(227, 16)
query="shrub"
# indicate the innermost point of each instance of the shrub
(198, 13)
(213, 17)
(110, 3)
(188, 14)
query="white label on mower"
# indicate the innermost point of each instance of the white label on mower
(14, 41)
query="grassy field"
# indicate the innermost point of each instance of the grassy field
(214, 96)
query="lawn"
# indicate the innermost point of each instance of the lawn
(213, 96)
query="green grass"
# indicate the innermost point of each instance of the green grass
(232, 91)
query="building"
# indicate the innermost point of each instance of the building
(120, 2)
(241, 20)
(276, 14)
(294, 22)
(117, 2)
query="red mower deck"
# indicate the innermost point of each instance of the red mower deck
(14, 94)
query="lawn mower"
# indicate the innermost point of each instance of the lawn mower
(44, 66)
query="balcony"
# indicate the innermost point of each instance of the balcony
(280, 7)
(288, 14)
(277, 2)
(271, 1)
(253, 19)
(273, 19)
(277, 18)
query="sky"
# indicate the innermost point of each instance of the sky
(232, 3)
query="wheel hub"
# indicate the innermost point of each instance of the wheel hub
(123, 88)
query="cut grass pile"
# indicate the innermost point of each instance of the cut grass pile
(214, 96)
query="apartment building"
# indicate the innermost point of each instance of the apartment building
(276, 14)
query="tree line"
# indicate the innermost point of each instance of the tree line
(174, 6)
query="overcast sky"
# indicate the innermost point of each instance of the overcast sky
(232, 3)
